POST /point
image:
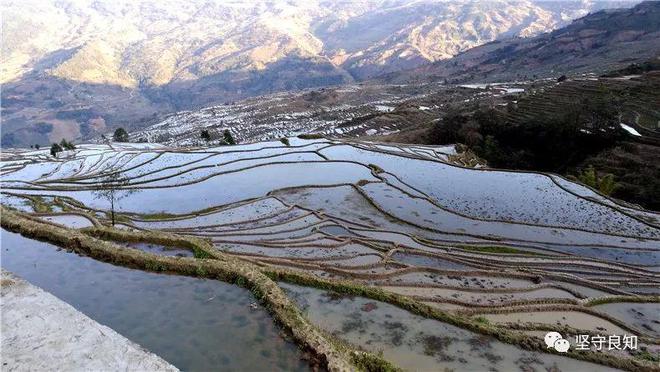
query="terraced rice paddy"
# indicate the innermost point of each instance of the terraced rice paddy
(416, 343)
(184, 320)
(511, 251)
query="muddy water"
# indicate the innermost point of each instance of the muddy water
(336, 230)
(643, 316)
(419, 344)
(429, 261)
(575, 319)
(70, 220)
(15, 202)
(484, 298)
(195, 324)
(161, 250)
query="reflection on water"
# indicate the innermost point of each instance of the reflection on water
(643, 316)
(511, 196)
(70, 220)
(196, 324)
(428, 261)
(161, 249)
(336, 230)
(417, 343)
(235, 187)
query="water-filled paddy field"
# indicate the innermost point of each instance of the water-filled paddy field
(416, 343)
(479, 253)
(187, 321)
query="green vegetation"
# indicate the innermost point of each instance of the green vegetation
(481, 319)
(224, 268)
(120, 218)
(63, 145)
(228, 138)
(636, 68)
(502, 334)
(370, 362)
(200, 253)
(310, 136)
(605, 184)
(158, 216)
(120, 135)
(613, 299)
(205, 135)
(40, 205)
(635, 167)
(67, 145)
(644, 354)
(376, 169)
(260, 280)
(285, 141)
(570, 129)
(54, 149)
(550, 142)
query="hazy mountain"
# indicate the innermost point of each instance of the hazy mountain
(76, 68)
(599, 42)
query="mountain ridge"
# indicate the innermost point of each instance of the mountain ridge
(77, 69)
(599, 42)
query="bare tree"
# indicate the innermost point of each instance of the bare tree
(113, 188)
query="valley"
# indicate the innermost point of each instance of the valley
(80, 69)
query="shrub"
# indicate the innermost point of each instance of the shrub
(548, 142)
(229, 139)
(604, 184)
(482, 320)
(120, 135)
(66, 145)
(310, 136)
(446, 131)
(55, 148)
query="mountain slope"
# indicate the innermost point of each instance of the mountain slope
(78, 68)
(596, 43)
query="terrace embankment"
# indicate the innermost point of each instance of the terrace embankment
(332, 354)
(391, 223)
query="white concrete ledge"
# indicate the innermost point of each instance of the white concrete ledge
(41, 332)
